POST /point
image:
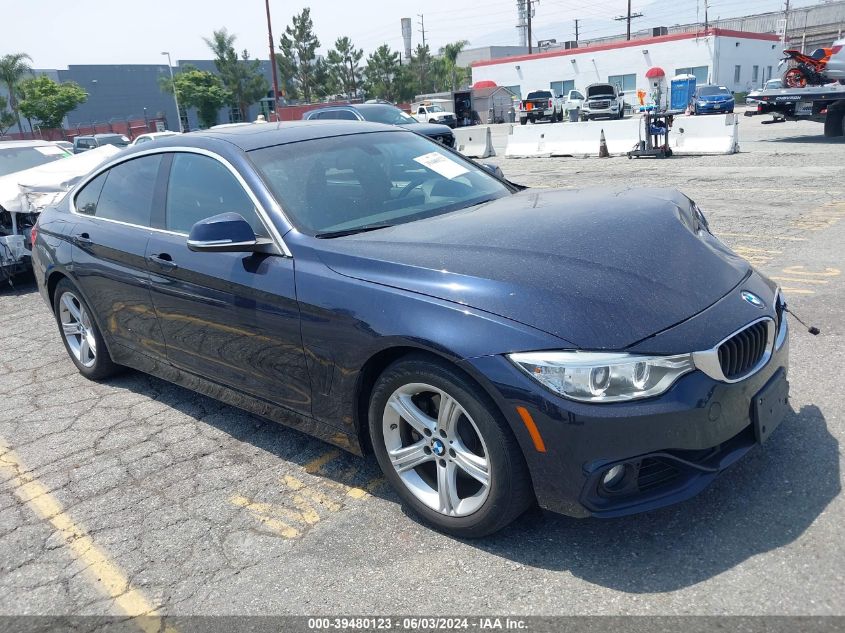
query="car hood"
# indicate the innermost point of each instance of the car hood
(599, 270)
(428, 129)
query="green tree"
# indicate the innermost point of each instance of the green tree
(7, 119)
(343, 65)
(49, 101)
(13, 68)
(421, 67)
(298, 61)
(383, 74)
(456, 75)
(198, 89)
(241, 76)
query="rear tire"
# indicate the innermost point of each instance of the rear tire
(438, 437)
(523, 121)
(82, 338)
(834, 123)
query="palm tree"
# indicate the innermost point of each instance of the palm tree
(450, 53)
(13, 68)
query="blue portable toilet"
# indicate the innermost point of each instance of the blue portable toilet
(681, 91)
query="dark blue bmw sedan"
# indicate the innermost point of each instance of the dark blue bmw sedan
(599, 352)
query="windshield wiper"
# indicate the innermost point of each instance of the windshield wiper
(360, 229)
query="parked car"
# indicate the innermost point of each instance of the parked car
(709, 99)
(373, 288)
(772, 84)
(835, 68)
(151, 136)
(85, 142)
(540, 105)
(15, 157)
(603, 101)
(574, 100)
(383, 113)
(428, 112)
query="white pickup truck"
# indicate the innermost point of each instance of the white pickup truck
(603, 101)
(429, 112)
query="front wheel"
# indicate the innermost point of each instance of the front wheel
(80, 334)
(445, 449)
(523, 121)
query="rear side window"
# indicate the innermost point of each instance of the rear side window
(201, 187)
(89, 195)
(127, 193)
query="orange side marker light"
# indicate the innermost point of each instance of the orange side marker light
(533, 431)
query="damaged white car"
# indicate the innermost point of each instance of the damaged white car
(34, 174)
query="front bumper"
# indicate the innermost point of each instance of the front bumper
(675, 444)
(724, 106)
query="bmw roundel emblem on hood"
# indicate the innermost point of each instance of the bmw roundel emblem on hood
(753, 299)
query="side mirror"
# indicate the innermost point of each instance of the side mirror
(493, 169)
(224, 233)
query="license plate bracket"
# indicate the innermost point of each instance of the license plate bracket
(770, 406)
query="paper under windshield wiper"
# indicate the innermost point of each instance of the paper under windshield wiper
(360, 229)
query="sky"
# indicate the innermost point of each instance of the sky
(58, 33)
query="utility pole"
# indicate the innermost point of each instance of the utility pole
(422, 27)
(530, 7)
(785, 23)
(273, 63)
(175, 96)
(630, 16)
(706, 18)
(576, 32)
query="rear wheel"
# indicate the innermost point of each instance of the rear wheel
(795, 78)
(834, 123)
(80, 334)
(445, 449)
(523, 121)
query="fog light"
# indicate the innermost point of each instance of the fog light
(613, 477)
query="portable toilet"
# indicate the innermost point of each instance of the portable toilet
(681, 89)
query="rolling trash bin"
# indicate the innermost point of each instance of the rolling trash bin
(574, 115)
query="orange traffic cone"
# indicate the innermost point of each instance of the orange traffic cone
(603, 153)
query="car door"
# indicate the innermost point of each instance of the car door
(109, 246)
(230, 317)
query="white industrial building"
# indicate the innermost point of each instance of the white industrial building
(738, 60)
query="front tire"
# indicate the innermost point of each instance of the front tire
(446, 450)
(80, 334)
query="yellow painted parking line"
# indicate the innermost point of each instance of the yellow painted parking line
(797, 291)
(104, 574)
(749, 236)
(261, 512)
(316, 464)
(367, 490)
(800, 281)
(299, 486)
(802, 272)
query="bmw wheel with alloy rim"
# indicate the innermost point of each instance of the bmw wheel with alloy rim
(445, 449)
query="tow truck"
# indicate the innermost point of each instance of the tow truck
(824, 104)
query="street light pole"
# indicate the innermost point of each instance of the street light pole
(175, 96)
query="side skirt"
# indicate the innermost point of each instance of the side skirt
(257, 406)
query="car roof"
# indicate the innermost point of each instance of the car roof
(25, 143)
(258, 135)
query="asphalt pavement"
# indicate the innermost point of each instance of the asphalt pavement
(134, 495)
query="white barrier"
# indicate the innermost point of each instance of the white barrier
(700, 135)
(474, 142)
(689, 136)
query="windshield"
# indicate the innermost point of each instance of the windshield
(118, 141)
(351, 183)
(14, 159)
(435, 108)
(386, 114)
(773, 84)
(709, 91)
(539, 94)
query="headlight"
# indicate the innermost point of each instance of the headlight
(702, 103)
(603, 377)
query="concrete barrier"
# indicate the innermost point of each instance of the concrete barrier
(689, 136)
(703, 135)
(474, 142)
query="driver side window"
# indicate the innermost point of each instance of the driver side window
(201, 187)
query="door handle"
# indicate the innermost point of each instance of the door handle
(164, 260)
(83, 238)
